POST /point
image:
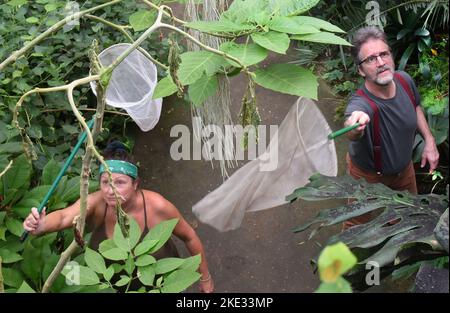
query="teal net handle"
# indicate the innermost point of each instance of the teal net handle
(343, 131)
(60, 175)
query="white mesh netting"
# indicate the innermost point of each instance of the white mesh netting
(302, 149)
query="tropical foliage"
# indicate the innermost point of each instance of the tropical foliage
(404, 223)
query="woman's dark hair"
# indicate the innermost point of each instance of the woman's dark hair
(362, 36)
(116, 150)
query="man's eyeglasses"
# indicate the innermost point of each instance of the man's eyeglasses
(371, 59)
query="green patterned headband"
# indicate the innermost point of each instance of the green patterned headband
(121, 167)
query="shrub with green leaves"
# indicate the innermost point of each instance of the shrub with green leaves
(409, 228)
(122, 260)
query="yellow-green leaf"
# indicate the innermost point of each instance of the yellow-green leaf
(288, 78)
(323, 37)
(164, 88)
(275, 41)
(334, 261)
(202, 89)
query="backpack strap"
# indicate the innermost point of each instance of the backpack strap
(407, 88)
(376, 131)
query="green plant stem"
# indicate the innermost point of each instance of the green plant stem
(122, 30)
(6, 168)
(18, 53)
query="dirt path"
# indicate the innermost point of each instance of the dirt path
(263, 255)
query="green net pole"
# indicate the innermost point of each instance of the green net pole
(60, 175)
(342, 131)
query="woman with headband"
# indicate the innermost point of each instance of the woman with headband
(148, 208)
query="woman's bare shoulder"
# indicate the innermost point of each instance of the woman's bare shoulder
(154, 199)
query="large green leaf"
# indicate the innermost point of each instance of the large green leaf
(14, 226)
(405, 56)
(289, 79)
(289, 25)
(16, 2)
(248, 54)
(50, 172)
(144, 247)
(9, 257)
(145, 260)
(244, 12)
(110, 251)
(11, 147)
(122, 242)
(195, 64)
(202, 89)
(406, 219)
(87, 276)
(161, 232)
(221, 26)
(292, 7)
(38, 192)
(23, 207)
(142, 19)
(167, 265)
(95, 261)
(72, 190)
(323, 37)
(115, 254)
(18, 176)
(275, 41)
(146, 275)
(165, 87)
(127, 243)
(179, 280)
(129, 265)
(25, 288)
(12, 277)
(191, 263)
(318, 23)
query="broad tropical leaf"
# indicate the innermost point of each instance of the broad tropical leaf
(18, 176)
(195, 64)
(289, 79)
(323, 37)
(50, 172)
(272, 40)
(179, 281)
(317, 23)
(167, 265)
(406, 219)
(292, 7)
(248, 54)
(161, 232)
(142, 19)
(202, 89)
(289, 25)
(164, 88)
(222, 26)
(95, 261)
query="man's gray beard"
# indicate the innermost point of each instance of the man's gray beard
(385, 80)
